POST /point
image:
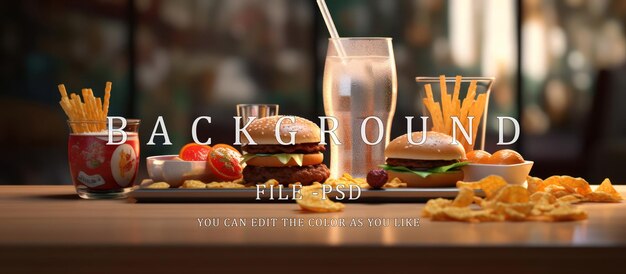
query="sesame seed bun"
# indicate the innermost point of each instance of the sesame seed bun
(438, 146)
(263, 130)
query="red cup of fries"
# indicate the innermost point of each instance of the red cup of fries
(99, 167)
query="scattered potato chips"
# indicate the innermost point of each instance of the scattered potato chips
(564, 185)
(604, 193)
(574, 190)
(559, 186)
(546, 200)
(313, 199)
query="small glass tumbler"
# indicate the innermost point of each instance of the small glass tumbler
(101, 168)
(246, 111)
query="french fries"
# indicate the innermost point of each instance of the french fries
(88, 114)
(450, 105)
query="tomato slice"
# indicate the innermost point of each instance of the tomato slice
(224, 161)
(233, 152)
(227, 147)
(194, 152)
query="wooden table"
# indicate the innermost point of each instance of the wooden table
(49, 227)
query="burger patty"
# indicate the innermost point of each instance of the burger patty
(274, 149)
(419, 164)
(306, 175)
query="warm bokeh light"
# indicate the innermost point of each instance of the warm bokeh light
(182, 59)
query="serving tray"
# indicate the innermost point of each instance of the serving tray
(248, 195)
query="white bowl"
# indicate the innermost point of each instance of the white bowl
(514, 174)
(170, 169)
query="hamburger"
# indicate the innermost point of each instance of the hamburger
(435, 163)
(288, 164)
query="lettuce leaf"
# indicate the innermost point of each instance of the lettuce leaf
(425, 173)
(282, 157)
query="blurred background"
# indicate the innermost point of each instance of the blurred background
(559, 68)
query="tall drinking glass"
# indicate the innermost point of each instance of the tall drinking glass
(356, 86)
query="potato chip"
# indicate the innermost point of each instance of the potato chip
(346, 180)
(539, 218)
(193, 184)
(566, 212)
(159, 185)
(534, 184)
(552, 180)
(464, 198)
(314, 199)
(543, 202)
(541, 209)
(542, 198)
(511, 194)
(485, 215)
(558, 190)
(561, 186)
(579, 185)
(553, 186)
(600, 197)
(571, 198)
(395, 183)
(433, 206)
(607, 187)
(479, 201)
(513, 211)
(511, 214)
(294, 184)
(464, 214)
(489, 184)
(226, 184)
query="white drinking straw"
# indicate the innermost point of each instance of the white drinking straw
(331, 29)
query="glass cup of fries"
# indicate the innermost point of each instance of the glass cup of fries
(466, 98)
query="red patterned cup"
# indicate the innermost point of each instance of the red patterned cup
(99, 168)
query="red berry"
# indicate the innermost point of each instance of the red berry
(377, 178)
